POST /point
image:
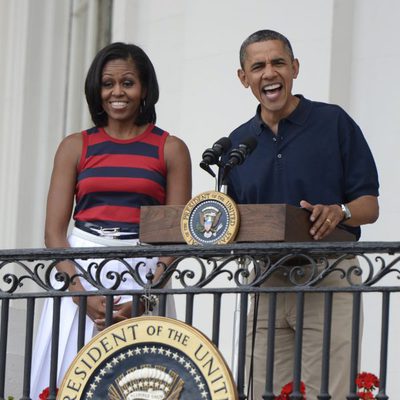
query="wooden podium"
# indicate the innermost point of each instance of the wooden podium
(258, 223)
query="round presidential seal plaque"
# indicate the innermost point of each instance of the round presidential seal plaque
(210, 218)
(149, 358)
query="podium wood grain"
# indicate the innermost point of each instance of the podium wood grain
(258, 223)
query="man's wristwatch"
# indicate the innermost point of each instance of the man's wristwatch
(346, 212)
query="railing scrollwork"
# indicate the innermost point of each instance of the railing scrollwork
(241, 265)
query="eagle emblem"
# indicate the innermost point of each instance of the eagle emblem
(210, 218)
(209, 221)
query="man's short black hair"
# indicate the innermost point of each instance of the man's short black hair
(262, 36)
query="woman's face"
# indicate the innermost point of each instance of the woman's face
(121, 90)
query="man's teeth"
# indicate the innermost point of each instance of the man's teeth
(271, 87)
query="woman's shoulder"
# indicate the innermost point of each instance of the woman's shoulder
(176, 151)
(173, 145)
(79, 136)
(75, 136)
(71, 145)
(72, 140)
(175, 142)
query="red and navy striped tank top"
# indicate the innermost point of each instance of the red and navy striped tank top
(115, 177)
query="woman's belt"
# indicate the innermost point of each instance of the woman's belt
(110, 233)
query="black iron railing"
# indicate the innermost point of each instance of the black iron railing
(217, 271)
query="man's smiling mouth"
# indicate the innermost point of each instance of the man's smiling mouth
(271, 91)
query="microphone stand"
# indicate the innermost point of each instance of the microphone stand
(222, 185)
(236, 157)
(241, 264)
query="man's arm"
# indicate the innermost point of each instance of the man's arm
(325, 218)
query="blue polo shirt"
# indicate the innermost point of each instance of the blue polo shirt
(319, 154)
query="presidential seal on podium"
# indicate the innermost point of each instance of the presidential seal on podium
(149, 358)
(210, 218)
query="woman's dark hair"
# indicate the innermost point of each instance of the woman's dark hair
(147, 76)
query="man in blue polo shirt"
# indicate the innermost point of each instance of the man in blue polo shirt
(312, 155)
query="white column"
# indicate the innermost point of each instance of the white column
(12, 69)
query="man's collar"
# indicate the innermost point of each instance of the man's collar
(298, 116)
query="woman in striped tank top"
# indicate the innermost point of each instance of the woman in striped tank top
(109, 171)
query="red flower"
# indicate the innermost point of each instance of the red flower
(288, 389)
(45, 394)
(367, 381)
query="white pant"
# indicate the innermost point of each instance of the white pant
(67, 347)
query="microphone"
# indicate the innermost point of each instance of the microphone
(211, 156)
(238, 155)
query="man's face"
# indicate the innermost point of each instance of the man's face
(269, 72)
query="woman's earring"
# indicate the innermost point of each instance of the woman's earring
(142, 106)
(101, 112)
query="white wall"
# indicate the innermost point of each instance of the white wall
(375, 104)
(348, 55)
